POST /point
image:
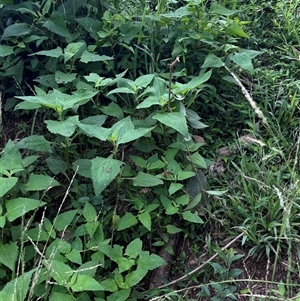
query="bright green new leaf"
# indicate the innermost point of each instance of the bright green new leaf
(212, 61)
(92, 57)
(243, 60)
(134, 248)
(128, 220)
(89, 212)
(17, 289)
(145, 219)
(36, 143)
(192, 217)
(6, 184)
(174, 120)
(9, 254)
(6, 50)
(146, 180)
(125, 264)
(18, 207)
(104, 171)
(63, 220)
(65, 128)
(236, 30)
(39, 182)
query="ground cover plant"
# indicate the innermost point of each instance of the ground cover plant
(149, 151)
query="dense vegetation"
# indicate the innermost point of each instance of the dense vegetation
(149, 150)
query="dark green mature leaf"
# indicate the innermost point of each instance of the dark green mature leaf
(221, 10)
(135, 277)
(11, 160)
(236, 30)
(64, 219)
(92, 57)
(6, 184)
(18, 207)
(92, 26)
(104, 171)
(36, 143)
(17, 289)
(128, 220)
(93, 130)
(65, 128)
(56, 296)
(16, 30)
(150, 262)
(57, 25)
(192, 217)
(146, 180)
(121, 295)
(63, 78)
(6, 50)
(134, 248)
(243, 60)
(9, 254)
(51, 53)
(212, 61)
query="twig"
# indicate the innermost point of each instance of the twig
(172, 66)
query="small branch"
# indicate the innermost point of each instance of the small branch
(172, 66)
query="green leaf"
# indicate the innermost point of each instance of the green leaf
(197, 159)
(16, 30)
(144, 80)
(56, 165)
(174, 120)
(18, 207)
(56, 53)
(221, 10)
(64, 78)
(125, 264)
(134, 248)
(183, 175)
(150, 262)
(135, 277)
(168, 205)
(36, 143)
(11, 160)
(6, 50)
(9, 254)
(64, 220)
(83, 167)
(39, 182)
(56, 296)
(172, 229)
(72, 49)
(192, 217)
(2, 221)
(91, 227)
(236, 30)
(59, 271)
(109, 285)
(195, 201)
(74, 256)
(114, 253)
(114, 110)
(94, 131)
(65, 128)
(146, 180)
(127, 221)
(57, 25)
(17, 289)
(212, 61)
(89, 212)
(174, 187)
(121, 295)
(243, 60)
(104, 171)
(6, 184)
(92, 57)
(122, 90)
(145, 219)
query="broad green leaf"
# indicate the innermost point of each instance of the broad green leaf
(27, 161)
(6, 50)
(16, 30)
(104, 171)
(65, 128)
(212, 61)
(18, 207)
(6, 184)
(89, 212)
(121, 295)
(195, 201)
(114, 110)
(174, 120)
(150, 101)
(145, 219)
(56, 165)
(126, 221)
(168, 205)
(9, 254)
(39, 182)
(64, 220)
(74, 256)
(95, 78)
(221, 10)
(125, 264)
(172, 229)
(2, 221)
(96, 120)
(11, 159)
(109, 285)
(64, 78)
(35, 143)
(59, 271)
(56, 53)
(94, 131)
(114, 253)
(17, 289)
(91, 25)
(55, 23)
(72, 49)
(25, 105)
(83, 167)
(144, 80)
(134, 248)
(122, 90)
(56, 296)
(174, 187)
(146, 180)
(243, 60)
(150, 262)
(91, 227)
(135, 277)
(183, 175)
(197, 159)
(92, 57)
(192, 217)
(236, 30)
